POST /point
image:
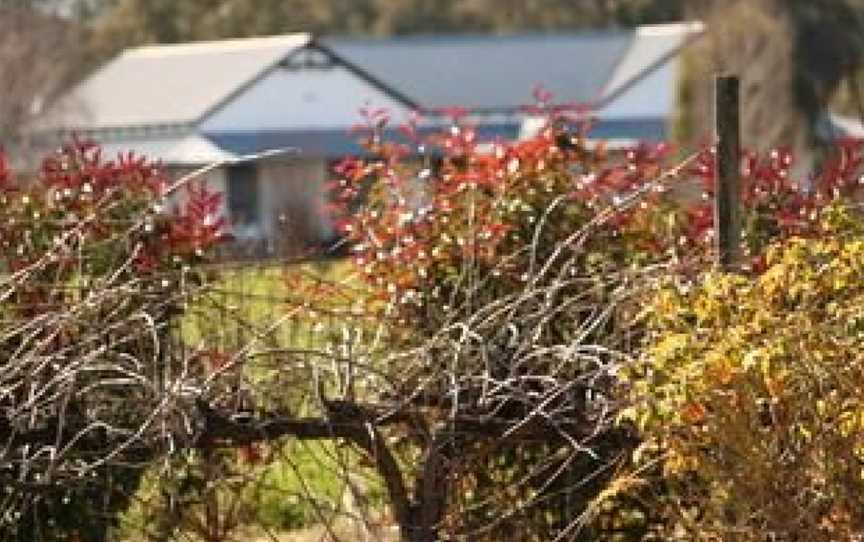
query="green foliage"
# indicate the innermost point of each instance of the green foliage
(286, 485)
(300, 488)
(218, 495)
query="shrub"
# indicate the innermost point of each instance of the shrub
(747, 395)
(493, 258)
(94, 273)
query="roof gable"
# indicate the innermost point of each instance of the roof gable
(173, 84)
(652, 47)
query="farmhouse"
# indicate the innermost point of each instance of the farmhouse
(199, 103)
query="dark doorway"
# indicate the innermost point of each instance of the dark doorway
(243, 199)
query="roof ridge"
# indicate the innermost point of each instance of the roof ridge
(682, 27)
(222, 45)
(476, 37)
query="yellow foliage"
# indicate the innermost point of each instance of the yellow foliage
(750, 393)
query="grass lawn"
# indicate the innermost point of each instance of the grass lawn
(268, 308)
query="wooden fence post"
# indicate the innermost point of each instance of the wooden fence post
(727, 220)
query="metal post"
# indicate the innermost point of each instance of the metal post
(727, 221)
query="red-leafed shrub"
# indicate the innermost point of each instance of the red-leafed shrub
(81, 200)
(505, 207)
(500, 261)
(501, 207)
(94, 271)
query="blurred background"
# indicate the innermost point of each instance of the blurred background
(798, 58)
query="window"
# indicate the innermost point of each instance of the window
(243, 201)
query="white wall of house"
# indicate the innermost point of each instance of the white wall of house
(301, 98)
(293, 194)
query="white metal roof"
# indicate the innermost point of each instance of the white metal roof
(186, 150)
(485, 72)
(174, 83)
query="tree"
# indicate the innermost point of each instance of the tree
(508, 276)
(792, 58)
(131, 22)
(101, 383)
(829, 49)
(40, 57)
